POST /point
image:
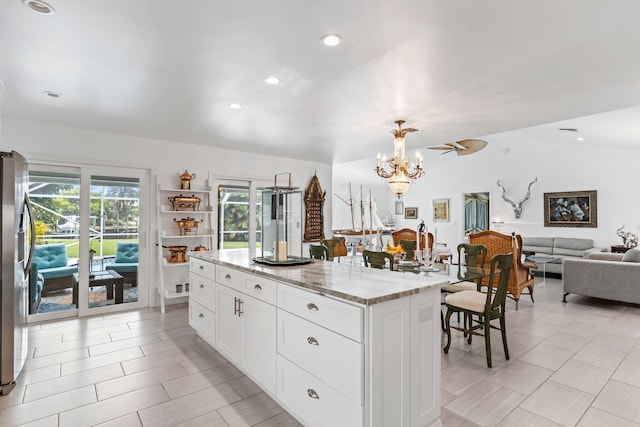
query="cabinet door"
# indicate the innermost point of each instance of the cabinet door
(229, 324)
(260, 342)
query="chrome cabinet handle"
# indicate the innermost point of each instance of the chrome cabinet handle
(201, 286)
(312, 394)
(257, 287)
(201, 316)
(311, 306)
(201, 267)
(312, 341)
(228, 277)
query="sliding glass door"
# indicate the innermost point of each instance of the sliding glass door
(90, 247)
(238, 215)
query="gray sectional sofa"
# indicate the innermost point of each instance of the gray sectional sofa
(606, 275)
(560, 248)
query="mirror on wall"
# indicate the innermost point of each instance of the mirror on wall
(476, 212)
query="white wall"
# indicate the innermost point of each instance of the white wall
(50, 143)
(573, 167)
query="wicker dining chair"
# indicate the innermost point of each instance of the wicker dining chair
(498, 243)
(480, 308)
(377, 259)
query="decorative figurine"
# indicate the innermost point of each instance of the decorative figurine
(185, 180)
(629, 240)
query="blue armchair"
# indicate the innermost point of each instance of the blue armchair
(51, 261)
(126, 262)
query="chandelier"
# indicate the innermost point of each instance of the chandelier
(401, 172)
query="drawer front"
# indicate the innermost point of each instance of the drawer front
(334, 359)
(340, 317)
(230, 277)
(261, 288)
(203, 321)
(203, 290)
(312, 400)
(203, 268)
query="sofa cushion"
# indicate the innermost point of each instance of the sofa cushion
(568, 252)
(572, 243)
(543, 244)
(57, 272)
(632, 255)
(50, 256)
(127, 252)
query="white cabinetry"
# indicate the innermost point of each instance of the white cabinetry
(246, 326)
(329, 361)
(202, 297)
(170, 273)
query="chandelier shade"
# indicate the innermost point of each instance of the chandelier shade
(401, 172)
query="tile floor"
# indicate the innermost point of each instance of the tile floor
(571, 364)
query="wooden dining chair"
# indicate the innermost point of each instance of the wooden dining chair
(468, 256)
(481, 308)
(318, 252)
(377, 259)
(336, 246)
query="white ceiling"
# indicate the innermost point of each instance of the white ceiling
(457, 69)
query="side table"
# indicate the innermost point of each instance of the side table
(620, 249)
(544, 260)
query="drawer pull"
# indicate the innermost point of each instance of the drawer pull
(312, 394)
(257, 287)
(201, 286)
(201, 316)
(312, 341)
(201, 267)
(228, 277)
(311, 306)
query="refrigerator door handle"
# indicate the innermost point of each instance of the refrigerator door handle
(32, 234)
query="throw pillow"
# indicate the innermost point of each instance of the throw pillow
(632, 255)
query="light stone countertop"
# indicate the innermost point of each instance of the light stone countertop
(341, 280)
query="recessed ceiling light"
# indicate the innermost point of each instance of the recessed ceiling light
(272, 80)
(235, 106)
(331, 40)
(52, 94)
(580, 138)
(39, 6)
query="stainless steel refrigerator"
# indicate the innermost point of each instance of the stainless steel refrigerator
(16, 245)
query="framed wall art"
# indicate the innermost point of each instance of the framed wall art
(440, 210)
(410, 213)
(571, 209)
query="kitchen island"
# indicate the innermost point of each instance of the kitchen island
(334, 344)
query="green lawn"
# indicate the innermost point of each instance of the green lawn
(108, 246)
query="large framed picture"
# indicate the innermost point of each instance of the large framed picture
(410, 213)
(440, 210)
(571, 209)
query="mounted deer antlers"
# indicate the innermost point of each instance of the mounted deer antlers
(517, 207)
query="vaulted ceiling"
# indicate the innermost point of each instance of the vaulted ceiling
(457, 69)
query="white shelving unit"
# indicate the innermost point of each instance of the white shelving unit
(171, 274)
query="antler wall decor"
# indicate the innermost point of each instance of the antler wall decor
(517, 207)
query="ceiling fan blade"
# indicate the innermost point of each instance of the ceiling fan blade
(440, 148)
(457, 145)
(472, 146)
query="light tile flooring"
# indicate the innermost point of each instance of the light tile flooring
(571, 364)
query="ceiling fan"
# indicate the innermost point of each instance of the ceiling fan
(463, 147)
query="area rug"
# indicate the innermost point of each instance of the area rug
(61, 300)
